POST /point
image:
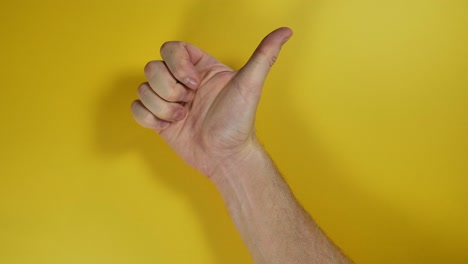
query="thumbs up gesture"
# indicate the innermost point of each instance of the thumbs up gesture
(202, 108)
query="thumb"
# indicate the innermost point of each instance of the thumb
(255, 71)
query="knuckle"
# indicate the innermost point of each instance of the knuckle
(264, 55)
(149, 68)
(152, 67)
(272, 60)
(143, 89)
(165, 46)
(169, 46)
(134, 107)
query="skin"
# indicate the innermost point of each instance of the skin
(206, 111)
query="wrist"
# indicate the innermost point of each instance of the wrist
(244, 164)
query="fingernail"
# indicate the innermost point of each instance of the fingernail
(179, 115)
(191, 82)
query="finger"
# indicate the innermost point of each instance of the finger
(254, 73)
(164, 84)
(146, 119)
(163, 110)
(180, 58)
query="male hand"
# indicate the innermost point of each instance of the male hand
(203, 109)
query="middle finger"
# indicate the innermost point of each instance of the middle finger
(164, 84)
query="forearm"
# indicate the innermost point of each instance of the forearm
(273, 225)
(206, 112)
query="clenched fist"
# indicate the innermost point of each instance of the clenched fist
(203, 109)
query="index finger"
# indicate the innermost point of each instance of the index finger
(181, 58)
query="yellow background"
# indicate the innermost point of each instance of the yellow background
(365, 112)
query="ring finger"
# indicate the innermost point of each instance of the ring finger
(160, 108)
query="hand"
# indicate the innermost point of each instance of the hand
(203, 109)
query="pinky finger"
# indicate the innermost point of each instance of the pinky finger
(146, 119)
